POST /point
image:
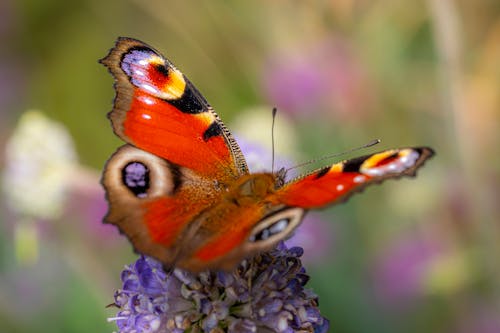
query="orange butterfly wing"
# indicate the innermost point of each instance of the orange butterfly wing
(158, 110)
(153, 201)
(336, 183)
(173, 135)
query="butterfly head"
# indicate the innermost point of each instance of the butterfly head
(280, 177)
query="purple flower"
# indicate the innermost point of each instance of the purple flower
(86, 201)
(264, 294)
(479, 317)
(40, 157)
(400, 273)
(316, 236)
(323, 76)
(296, 85)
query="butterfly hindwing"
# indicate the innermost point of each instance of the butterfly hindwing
(228, 233)
(158, 110)
(150, 200)
(337, 182)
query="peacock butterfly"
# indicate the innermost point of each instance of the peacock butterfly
(180, 188)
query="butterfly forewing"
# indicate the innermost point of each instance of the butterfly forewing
(335, 183)
(158, 110)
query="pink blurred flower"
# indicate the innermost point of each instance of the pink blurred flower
(295, 85)
(86, 201)
(480, 318)
(259, 157)
(326, 76)
(400, 272)
(43, 185)
(316, 236)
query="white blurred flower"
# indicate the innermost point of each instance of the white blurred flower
(39, 157)
(254, 125)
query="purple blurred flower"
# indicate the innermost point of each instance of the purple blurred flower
(40, 155)
(316, 237)
(264, 294)
(86, 201)
(326, 76)
(400, 273)
(480, 318)
(295, 85)
(259, 157)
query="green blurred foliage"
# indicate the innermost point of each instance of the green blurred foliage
(420, 73)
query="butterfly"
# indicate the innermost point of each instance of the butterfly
(180, 188)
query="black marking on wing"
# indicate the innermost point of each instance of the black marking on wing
(162, 69)
(136, 177)
(189, 102)
(354, 164)
(396, 154)
(213, 130)
(420, 151)
(323, 172)
(176, 177)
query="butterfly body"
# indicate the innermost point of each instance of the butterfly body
(180, 188)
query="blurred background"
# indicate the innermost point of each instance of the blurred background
(416, 255)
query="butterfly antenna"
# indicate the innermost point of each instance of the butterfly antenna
(275, 110)
(366, 145)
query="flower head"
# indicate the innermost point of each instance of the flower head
(39, 157)
(264, 294)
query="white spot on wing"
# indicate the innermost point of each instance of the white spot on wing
(139, 72)
(359, 179)
(374, 172)
(147, 100)
(278, 226)
(149, 88)
(340, 187)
